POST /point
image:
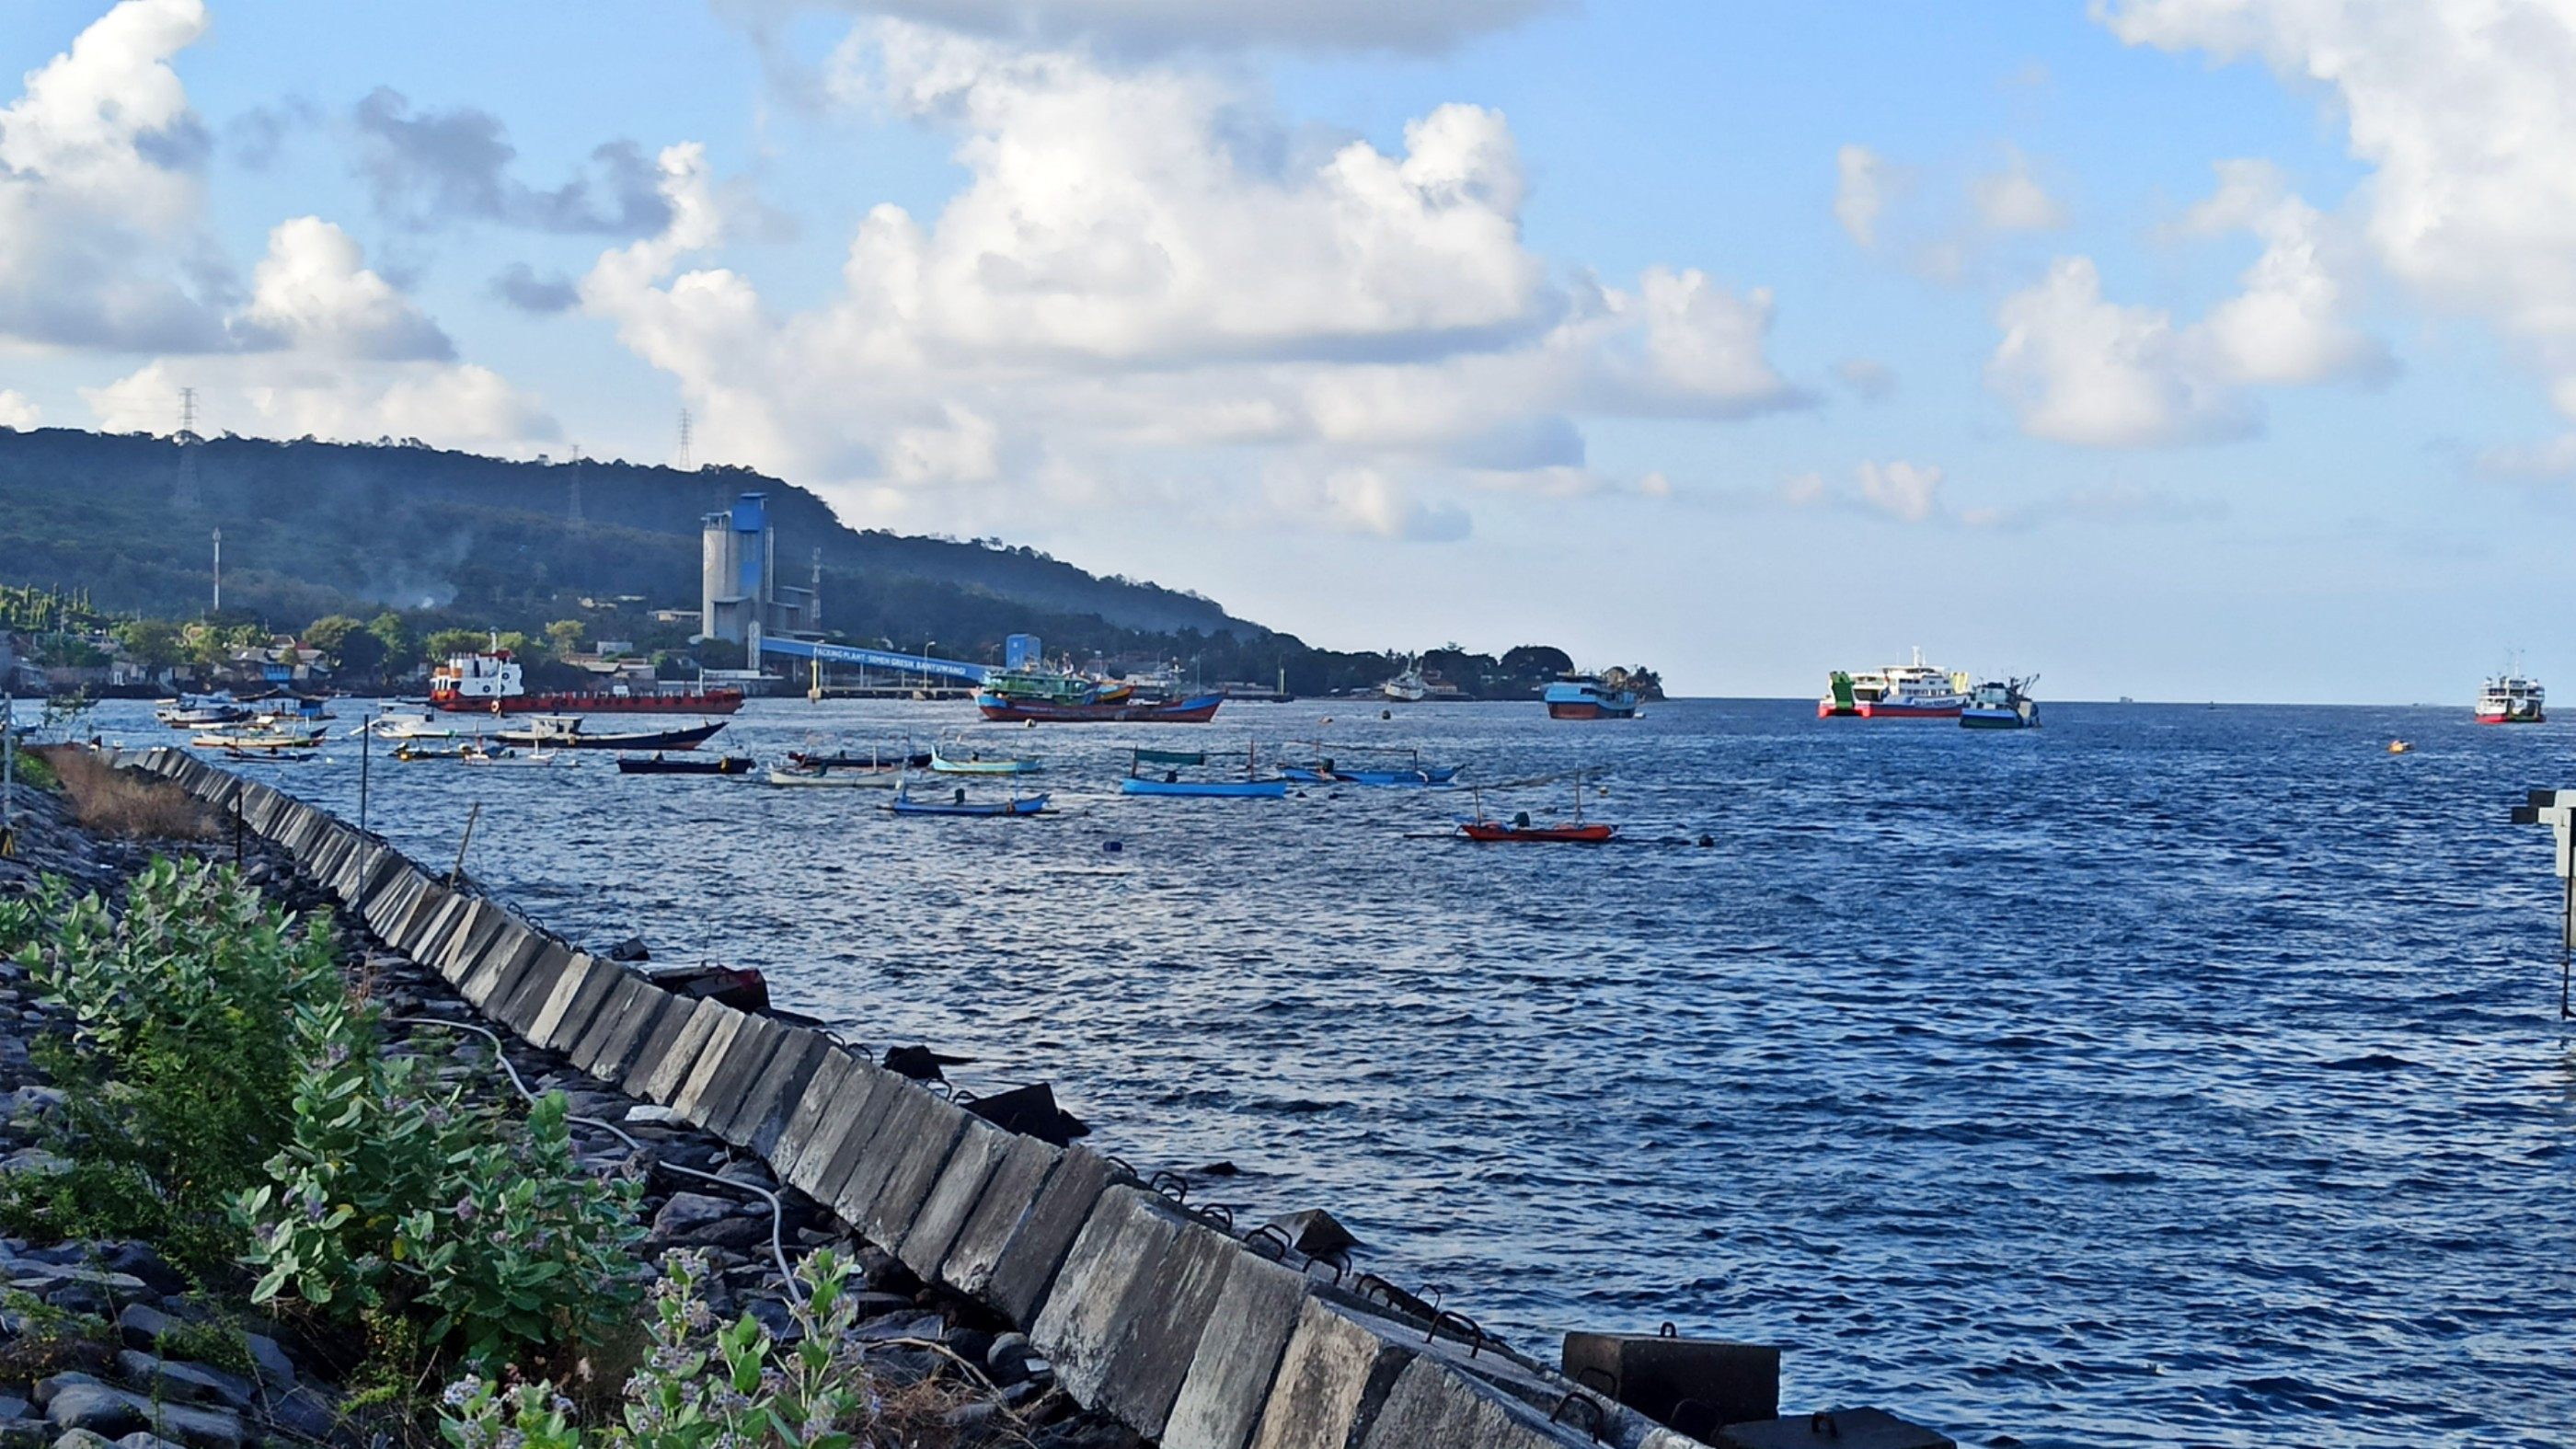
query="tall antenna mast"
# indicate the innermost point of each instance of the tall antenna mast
(219, 570)
(684, 440)
(187, 411)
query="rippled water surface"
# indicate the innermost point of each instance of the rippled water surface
(2165, 1075)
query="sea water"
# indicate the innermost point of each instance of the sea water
(2167, 1074)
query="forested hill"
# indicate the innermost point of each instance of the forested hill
(313, 528)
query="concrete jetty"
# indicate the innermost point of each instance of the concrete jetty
(1160, 1315)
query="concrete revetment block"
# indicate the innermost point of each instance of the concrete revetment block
(1333, 1376)
(781, 1087)
(401, 901)
(1105, 1273)
(1737, 1382)
(1161, 1323)
(432, 922)
(903, 1113)
(1841, 1428)
(758, 1045)
(516, 1004)
(1018, 1282)
(624, 996)
(1432, 1403)
(1221, 1397)
(671, 1072)
(855, 1112)
(660, 1037)
(412, 931)
(465, 945)
(737, 1035)
(807, 1117)
(549, 1015)
(501, 967)
(888, 1214)
(566, 1028)
(640, 1018)
(961, 1183)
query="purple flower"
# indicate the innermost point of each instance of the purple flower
(465, 1209)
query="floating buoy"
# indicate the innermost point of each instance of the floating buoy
(2400, 747)
(1706, 841)
(1386, 714)
(1113, 846)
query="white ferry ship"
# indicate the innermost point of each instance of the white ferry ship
(1899, 691)
(2510, 699)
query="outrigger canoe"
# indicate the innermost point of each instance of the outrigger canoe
(1171, 783)
(657, 765)
(958, 804)
(1515, 829)
(977, 765)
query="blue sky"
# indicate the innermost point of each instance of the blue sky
(2171, 348)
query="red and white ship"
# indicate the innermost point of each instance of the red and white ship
(2511, 699)
(1900, 691)
(492, 683)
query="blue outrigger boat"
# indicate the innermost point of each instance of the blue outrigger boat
(958, 804)
(1250, 787)
(1325, 770)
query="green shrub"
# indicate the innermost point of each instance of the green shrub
(702, 1387)
(177, 1068)
(394, 1195)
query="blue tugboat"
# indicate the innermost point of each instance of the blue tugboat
(2001, 705)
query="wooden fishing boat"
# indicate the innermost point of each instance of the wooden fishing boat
(1401, 765)
(1250, 787)
(1517, 829)
(958, 804)
(260, 740)
(858, 779)
(658, 765)
(1484, 828)
(478, 753)
(565, 732)
(850, 760)
(976, 764)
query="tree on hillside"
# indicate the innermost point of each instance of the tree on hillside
(453, 641)
(395, 636)
(153, 643)
(326, 634)
(351, 647)
(1537, 661)
(564, 635)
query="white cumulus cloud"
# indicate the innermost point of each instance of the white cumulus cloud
(1416, 26)
(1903, 490)
(2463, 110)
(1147, 292)
(338, 353)
(2013, 200)
(100, 193)
(1861, 186)
(2079, 368)
(17, 411)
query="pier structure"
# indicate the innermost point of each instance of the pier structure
(2557, 810)
(1192, 1331)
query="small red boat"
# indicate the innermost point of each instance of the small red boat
(1484, 827)
(1500, 830)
